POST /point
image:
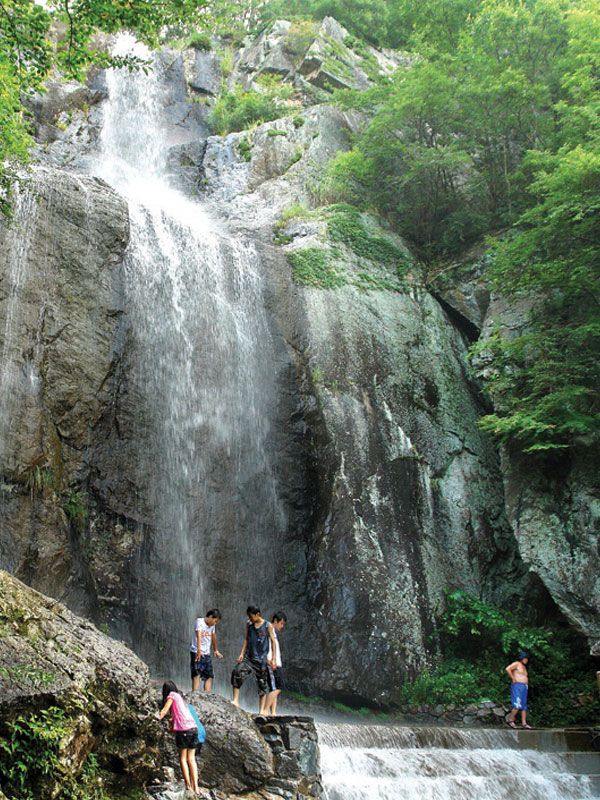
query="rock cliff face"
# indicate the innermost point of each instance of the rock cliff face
(388, 492)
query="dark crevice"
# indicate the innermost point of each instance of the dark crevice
(462, 323)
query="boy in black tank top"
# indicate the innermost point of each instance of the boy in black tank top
(253, 656)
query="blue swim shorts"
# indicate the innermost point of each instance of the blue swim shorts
(203, 667)
(518, 696)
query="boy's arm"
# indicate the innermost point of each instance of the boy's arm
(272, 662)
(245, 645)
(511, 668)
(214, 644)
(198, 646)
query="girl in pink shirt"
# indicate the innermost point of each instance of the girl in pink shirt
(186, 733)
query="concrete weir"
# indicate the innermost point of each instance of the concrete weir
(368, 762)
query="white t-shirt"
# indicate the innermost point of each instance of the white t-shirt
(206, 632)
(277, 650)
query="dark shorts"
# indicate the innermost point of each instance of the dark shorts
(274, 679)
(247, 667)
(203, 667)
(187, 740)
(518, 696)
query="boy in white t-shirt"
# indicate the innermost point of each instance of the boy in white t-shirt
(200, 660)
(275, 673)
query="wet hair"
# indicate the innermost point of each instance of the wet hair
(168, 687)
(279, 616)
(213, 612)
(253, 610)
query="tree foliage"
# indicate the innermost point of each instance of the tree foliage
(495, 126)
(384, 23)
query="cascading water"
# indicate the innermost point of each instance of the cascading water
(17, 243)
(368, 762)
(199, 366)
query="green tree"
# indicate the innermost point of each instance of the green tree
(545, 383)
(447, 136)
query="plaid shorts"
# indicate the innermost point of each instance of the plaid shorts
(247, 667)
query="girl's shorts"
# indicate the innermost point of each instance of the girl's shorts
(187, 740)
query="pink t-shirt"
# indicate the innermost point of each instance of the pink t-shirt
(182, 719)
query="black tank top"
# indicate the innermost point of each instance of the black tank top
(258, 642)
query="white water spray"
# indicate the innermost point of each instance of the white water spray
(201, 374)
(368, 762)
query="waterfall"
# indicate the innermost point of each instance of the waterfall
(17, 243)
(371, 762)
(200, 373)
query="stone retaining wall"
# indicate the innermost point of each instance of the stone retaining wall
(487, 713)
(293, 740)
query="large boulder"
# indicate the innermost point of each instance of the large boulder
(72, 691)
(234, 757)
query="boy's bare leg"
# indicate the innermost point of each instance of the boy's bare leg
(236, 697)
(208, 684)
(262, 702)
(185, 769)
(271, 706)
(524, 717)
(195, 683)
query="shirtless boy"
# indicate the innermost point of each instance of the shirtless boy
(518, 690)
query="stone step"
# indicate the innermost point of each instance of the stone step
(401, 737)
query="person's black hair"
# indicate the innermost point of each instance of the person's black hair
(253, 610)
(213, 612)
(279, 616)
(168, 687)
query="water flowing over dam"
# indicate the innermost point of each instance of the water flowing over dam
(198, 364)
(372, 762)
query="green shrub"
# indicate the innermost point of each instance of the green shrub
(296, 157)
(298, 121)
(237, 110)
(200, 41)
(226, 61)
(347, 227)
(479, 640)
(245, 148)
(40, 479)
(294, 210)
(74, 506)
(32, 762)
(312, 267)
